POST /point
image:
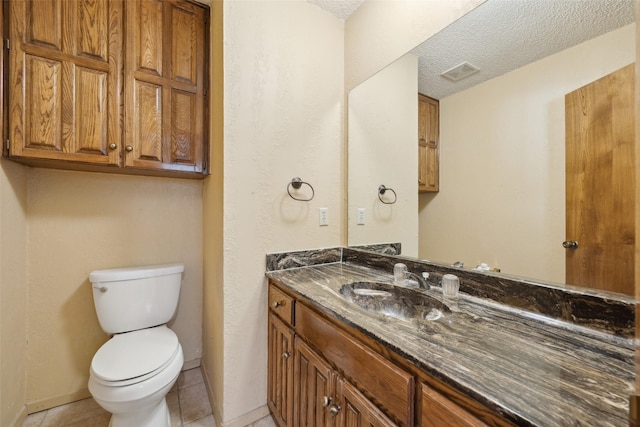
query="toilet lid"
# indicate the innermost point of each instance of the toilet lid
(134, 354)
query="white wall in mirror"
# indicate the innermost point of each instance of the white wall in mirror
(379, 32)
(383, 135)
(502, 181)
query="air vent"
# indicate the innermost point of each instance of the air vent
(459, 72)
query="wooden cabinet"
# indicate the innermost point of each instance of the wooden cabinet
(438, 411)
(69, 106)
(64, 81)
(280, 371)
(428, 144)
(356, 410)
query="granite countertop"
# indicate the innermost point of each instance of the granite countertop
(532, 370)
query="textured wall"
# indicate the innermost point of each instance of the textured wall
(79, 222)
(383, 135)
(502, 197)
(13, 291)
(283, 107)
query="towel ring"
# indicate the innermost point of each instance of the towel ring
(382, 189)
(296, 183)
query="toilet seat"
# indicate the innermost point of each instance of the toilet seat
(136, 356)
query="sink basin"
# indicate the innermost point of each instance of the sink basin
(394, 301)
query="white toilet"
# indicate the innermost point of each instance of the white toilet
(132, 372)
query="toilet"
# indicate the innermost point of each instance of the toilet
(132, 373)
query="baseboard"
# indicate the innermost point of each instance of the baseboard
(52, 402)
(248, 418)
(20, 417)
(214, 407)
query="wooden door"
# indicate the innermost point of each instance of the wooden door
(65, 67)
(356, 410)
(280, 371)
(600, 183)
(166, 72)
(428, 144)
(314, 388)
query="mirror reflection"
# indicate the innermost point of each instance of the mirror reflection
(503, 171)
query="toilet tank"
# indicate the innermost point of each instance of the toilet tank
(128, 299)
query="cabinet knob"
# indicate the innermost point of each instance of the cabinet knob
(334, 409)
(326, 401)
(286, 355)
(570, 244)
(113, 146)
(129, 148)
(278, 304)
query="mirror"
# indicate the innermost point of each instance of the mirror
(502, 154)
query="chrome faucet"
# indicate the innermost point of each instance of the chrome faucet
(422, 281)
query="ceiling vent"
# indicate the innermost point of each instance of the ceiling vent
(459, 72)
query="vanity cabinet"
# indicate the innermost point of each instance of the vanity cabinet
(428, 144)
(71, 108)
(280, 372)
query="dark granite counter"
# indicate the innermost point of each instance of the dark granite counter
(531, 369)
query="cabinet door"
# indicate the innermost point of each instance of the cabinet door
(64, 80)
(438, 411)
(314, 386)
(428, 144)
(166, 70)
(356, 410)
(280, 371)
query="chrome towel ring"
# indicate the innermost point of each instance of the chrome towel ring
(382, 189)
(296, 184)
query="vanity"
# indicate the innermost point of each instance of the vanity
(480, 361)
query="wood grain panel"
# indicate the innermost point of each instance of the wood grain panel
(149, 36)
(388, 386)
(438, 411)
(600, 183)
(281, 304)
(43, 104)
(428, 144)
(357, 410)
(184, 44)
(92, 28)
(148, 121)
(92, 123)
(44, 23)
(313, 381)
(280, 371)
(183, 124)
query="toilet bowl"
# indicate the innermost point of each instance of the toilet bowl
(133, 371)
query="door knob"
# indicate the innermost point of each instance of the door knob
(326, 401)
(286, 355)
(334, 409)
(129, 148)
(570, 244)
(113, 146)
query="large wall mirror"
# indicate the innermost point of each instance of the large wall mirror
(502, 193)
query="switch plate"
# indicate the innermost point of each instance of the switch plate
(324, 216)
(360, 216)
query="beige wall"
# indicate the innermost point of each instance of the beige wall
(13, 291)
(379, 32)
(502, 186)
(283, 109)
(79, 222)
(383, 130)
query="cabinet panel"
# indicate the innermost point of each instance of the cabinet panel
(184, 49)
(357, 410)
(438, 411)
(43, 104)
(91, 35)
(314, 387)
(428, 144)
(280, 371)
(92, 123)
(392, 388)
(44, 23)
(147, 24)
(183, 127)
(148, 124)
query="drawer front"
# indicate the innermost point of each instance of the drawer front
(388, 386)
(438, 411)
(281, 304)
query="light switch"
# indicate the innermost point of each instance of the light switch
(324, 216)
(360, 216)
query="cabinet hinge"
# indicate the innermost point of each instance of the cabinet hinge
(6, 44)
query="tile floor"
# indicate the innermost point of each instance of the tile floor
(188, 404)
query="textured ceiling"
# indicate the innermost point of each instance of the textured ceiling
(502, 35)
(340, 8)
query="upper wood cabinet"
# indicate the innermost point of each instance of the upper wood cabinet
(428, 144)
(70, 106)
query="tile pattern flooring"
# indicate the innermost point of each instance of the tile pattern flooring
(188, 404)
